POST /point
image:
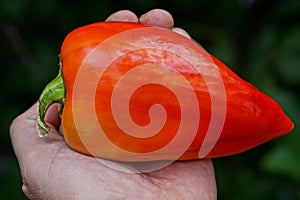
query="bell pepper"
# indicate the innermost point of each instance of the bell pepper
(132, 92)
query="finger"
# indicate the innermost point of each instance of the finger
(123, 16)
(158, 17)
(181, 32)
(52, 116)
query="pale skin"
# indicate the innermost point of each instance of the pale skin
(51, 170)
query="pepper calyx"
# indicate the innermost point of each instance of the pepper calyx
(54, 92)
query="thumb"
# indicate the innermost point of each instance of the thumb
(33, 153)
(25, 140)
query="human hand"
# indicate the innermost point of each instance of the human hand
(51, 170)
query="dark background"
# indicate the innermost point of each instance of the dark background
(259, 40)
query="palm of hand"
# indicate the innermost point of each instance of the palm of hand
(51, 170)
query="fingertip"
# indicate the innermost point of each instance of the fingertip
(52, 116)
(181, 32)
(158, 17)
(123, 16)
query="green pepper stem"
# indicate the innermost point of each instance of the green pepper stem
(54, 92)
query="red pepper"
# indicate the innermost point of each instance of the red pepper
(131, 92)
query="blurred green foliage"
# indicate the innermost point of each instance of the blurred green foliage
(259, 40)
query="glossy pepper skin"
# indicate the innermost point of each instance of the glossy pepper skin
(250, 119)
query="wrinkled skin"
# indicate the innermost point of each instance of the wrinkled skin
(51, 170)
